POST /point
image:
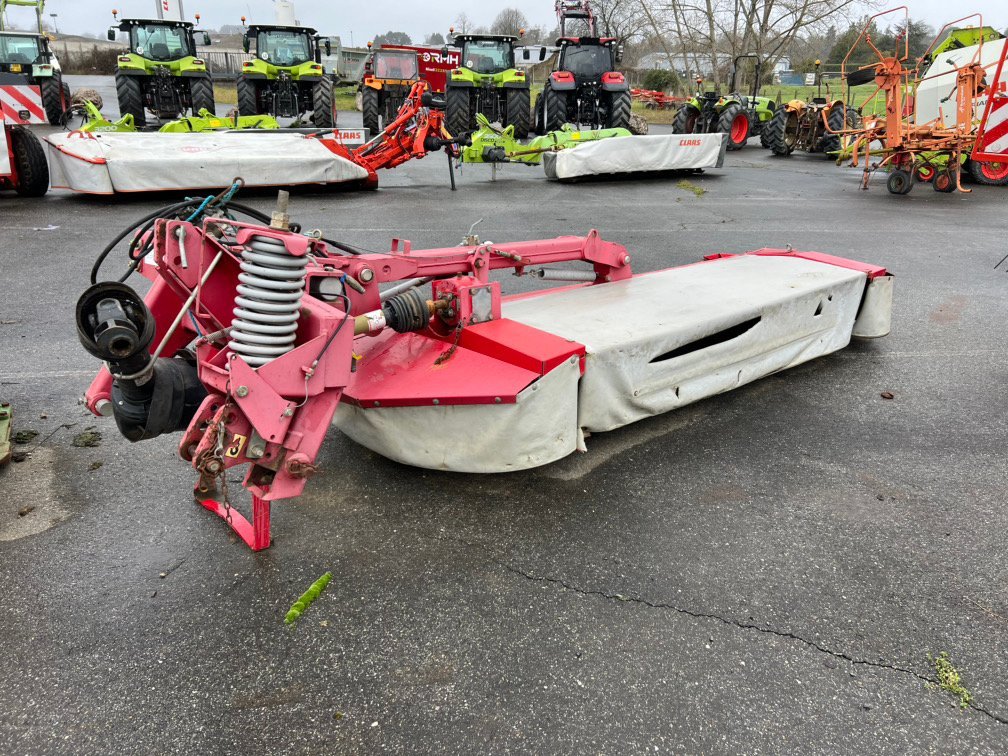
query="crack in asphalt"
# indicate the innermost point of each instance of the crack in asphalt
(591, 592)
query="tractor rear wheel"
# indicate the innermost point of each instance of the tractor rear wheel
(685, 121)
(988, 173)
(248, 98)
(30, 163)
(782, 132)
(554, 109)
(371, 105)
(52, 99)
(130, 95)
(201, 95)
(620, 105)
(323, 104)
(458, 111)
(734, 121)
(516, 111)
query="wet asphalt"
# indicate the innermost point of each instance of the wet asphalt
(768, 571)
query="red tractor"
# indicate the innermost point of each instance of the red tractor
(585, 88)
(23, 166)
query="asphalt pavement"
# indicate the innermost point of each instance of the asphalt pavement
(768, 571)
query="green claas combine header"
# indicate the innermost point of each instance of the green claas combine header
(161, 72)
(286, 78)
(487, 82)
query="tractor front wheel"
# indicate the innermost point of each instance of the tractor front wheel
(734, 121)
(324, 104)
(782, 132)
(248, 98)
(686, 120)
(458, 111)
(130, 95)
(53, 93)
(30, 163)
(371, 106)
(201, 96)
(988, 173)
(516, 111)
(620, 105)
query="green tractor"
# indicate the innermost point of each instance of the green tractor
(27, 60)
(161, 72)
(737, 115)
(487, 82)
(286, 78)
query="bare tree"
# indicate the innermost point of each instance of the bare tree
(463, 24)
(707, 34)
(509, 21)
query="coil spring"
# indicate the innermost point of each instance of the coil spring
(268, 302)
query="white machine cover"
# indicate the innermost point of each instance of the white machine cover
(109, 163)
(655, 342)
(637, 154)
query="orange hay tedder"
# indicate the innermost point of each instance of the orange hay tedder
(934, 149)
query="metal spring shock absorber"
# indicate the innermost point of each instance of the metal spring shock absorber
(268, 302)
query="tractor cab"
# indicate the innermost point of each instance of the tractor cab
(395, 65)
(159, 41)
(487, 54)
(19, 51)
(286, 46)
(588, 58)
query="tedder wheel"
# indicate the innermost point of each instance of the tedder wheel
(943, 182)
(248, 98)
(734, 121)
(900, 181)
(458, 111)
(130, 95)
(371, 104)
(782, 132)
(988, 173)
(30, 162)
(517, 106)
(201, 95)
(323, 104)
(620, 105)
(685, 121)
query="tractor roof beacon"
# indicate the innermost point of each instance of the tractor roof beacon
(161, 72)
(585, 88)
(27, 60)
(286, 78)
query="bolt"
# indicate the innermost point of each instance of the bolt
(478, 262)
(377, 404)
(256, 451)
(213, 467)
(366, 275)
(626, 259)
(289, 412)
(437, 401)
(242, 392)
(497, 400)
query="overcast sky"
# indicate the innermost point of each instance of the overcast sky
(364, 19)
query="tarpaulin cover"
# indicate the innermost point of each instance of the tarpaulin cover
(663, 340)
(636, 154)
(108, 163)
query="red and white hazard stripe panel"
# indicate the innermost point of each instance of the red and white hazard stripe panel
(992, 140)
(22, 104)
(5, 165)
